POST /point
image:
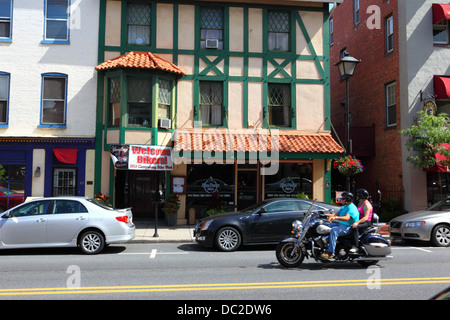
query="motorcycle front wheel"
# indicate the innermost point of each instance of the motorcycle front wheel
(286, 257)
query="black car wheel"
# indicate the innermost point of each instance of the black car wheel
(92, 242)
(441, 235)
(228, 239)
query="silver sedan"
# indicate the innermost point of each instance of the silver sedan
(65, 222)
(432, 224)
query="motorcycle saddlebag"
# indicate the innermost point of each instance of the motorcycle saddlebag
(376, 245)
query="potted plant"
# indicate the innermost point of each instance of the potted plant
(170, 209)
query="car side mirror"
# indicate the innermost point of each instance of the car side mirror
(261, 211)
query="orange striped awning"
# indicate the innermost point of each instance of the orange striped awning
(222, 140)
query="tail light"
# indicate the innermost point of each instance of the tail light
(123, 219)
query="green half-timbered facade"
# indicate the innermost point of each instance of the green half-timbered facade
(235, 70)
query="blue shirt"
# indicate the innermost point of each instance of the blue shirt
(352, 211)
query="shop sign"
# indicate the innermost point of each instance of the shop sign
(210, 185)
(288, 185)
(139, 157)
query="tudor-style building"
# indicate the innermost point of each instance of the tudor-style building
(238, 91)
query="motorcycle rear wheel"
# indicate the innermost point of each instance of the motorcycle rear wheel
(284, 257)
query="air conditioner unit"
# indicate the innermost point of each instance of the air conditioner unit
(165, 123)
(212, 44)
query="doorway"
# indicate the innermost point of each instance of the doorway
(140, 190)
(248, 186)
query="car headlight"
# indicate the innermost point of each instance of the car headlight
(414, 224)
(206, 225)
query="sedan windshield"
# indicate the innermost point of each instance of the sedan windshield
(443, 205)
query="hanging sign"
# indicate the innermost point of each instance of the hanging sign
(142, 157)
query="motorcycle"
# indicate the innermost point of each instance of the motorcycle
(310, 239)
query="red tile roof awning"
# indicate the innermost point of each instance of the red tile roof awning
(442, 87)
(440, 12)
(248, 140)
(140, 60)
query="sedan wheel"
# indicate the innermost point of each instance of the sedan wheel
(228, 239)
(92, 242)
(441, 235)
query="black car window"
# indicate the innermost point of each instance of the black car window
(68, 206)
(32, 208)
(281, 206)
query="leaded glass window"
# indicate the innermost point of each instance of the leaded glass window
(138, 24)
(114, 102)
(164, 97)
(211, 28)
(279, 104)
(279, 30)
(140, 101)
(211, 97)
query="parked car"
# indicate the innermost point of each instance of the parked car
(9, 199)
(65, 222)
(263, 223)
(431, 224)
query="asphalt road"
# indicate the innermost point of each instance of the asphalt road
(188, 272)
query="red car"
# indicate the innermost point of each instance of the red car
(9, 199)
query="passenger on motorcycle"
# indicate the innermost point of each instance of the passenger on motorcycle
(365, 216)
(345, 218)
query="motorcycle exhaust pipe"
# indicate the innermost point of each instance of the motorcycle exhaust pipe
(373, 258)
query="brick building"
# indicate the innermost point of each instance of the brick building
(403, 47)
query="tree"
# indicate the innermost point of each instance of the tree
(427, 137)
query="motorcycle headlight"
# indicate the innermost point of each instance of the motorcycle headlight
(297, 225)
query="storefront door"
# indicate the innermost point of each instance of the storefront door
(247, 186)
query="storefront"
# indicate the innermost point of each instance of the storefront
(221, 178)
(46, 166)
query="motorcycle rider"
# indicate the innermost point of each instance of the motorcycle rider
(365, 216)
(347, 215)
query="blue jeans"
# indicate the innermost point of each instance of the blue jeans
(337, 230)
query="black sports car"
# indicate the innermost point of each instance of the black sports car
(263, 223)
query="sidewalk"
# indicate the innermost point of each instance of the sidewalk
(145, 232)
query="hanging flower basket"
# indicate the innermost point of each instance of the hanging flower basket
(348, 166)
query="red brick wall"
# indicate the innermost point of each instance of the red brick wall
(367, 88)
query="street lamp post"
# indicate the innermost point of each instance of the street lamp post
(347, 66)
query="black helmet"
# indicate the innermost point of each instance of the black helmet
(348, 196)
(362, 194)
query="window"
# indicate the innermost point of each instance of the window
(64, 182)
(68, 206)
(164, 99)
(211, 97)
(140, 101)
(355, 11)
(211, 28)
(4, 98)
(389, 33)
(391, 117)
(441, 32)
(114, 102)
(279, 30)
(138, 23)
(6, 8)
(33, 208)
(279, 104)
(56, 21)
(53, 108)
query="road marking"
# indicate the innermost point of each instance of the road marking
(218, 286)
(414, 248)
(153, 254)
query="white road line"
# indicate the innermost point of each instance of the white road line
(153, 254)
